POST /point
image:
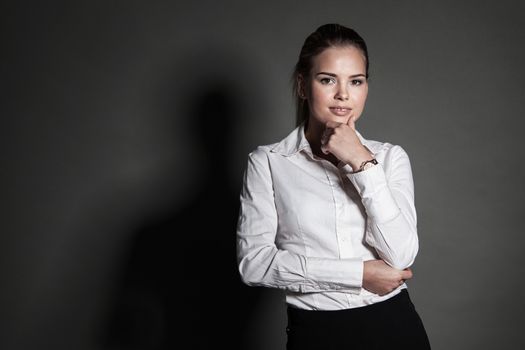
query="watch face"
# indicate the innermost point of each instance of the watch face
(370, 164)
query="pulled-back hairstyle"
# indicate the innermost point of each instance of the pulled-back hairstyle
(327, 35)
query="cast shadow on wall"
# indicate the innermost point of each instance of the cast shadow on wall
(180, 287)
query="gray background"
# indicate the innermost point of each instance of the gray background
(103, 131)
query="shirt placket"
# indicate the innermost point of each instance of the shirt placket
(342, 217)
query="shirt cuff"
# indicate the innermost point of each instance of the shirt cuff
(330, 274)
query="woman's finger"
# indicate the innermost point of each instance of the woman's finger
(351, 122)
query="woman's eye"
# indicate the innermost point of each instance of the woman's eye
(357, 82)
(326, 81)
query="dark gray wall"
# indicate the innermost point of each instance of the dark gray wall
(126, 121)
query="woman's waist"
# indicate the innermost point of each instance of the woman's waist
(337, 300)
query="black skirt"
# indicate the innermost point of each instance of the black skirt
(390, 324)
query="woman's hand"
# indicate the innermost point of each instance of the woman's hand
(341, 141)
(380, 278)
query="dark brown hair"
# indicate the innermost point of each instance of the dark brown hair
(327, 35)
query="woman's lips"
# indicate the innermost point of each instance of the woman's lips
(340, 111)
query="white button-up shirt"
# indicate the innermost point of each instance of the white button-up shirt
(306, 226)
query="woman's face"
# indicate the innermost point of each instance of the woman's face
(337, 86)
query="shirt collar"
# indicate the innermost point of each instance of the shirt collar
(296, 141)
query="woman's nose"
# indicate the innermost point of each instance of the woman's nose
(342, 93)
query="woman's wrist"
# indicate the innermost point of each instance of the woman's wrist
(365, 165)
(358, 162)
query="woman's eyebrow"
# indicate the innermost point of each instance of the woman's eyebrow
(335, 75)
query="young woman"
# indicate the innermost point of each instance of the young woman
(328, 216)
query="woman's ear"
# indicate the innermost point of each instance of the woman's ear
(301, 87)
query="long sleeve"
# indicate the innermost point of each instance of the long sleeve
(262, 263)
(387, 193)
